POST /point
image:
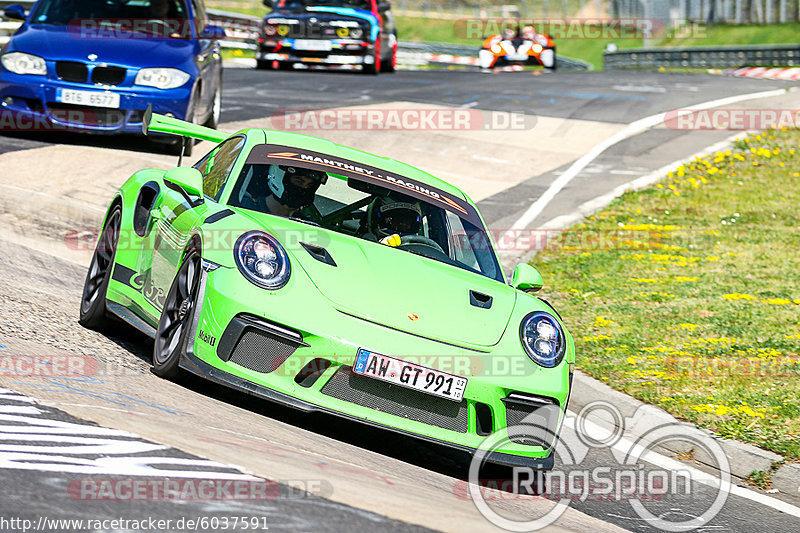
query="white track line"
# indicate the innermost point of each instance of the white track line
(632, 129)
(625, 445)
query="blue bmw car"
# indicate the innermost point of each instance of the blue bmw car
(95, 65)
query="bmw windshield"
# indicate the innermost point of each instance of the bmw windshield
(153, 17)
(367, 203)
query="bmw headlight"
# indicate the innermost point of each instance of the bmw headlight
(262, 260)
(22, 63)
(356, 33)
(161, 78)
(543, 339)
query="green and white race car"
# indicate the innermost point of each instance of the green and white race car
(332, 280)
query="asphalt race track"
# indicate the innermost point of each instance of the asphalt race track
(324, 474)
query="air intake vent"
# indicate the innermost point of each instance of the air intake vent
(538, 417)
(398, 401)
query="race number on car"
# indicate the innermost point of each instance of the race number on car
(410, 375)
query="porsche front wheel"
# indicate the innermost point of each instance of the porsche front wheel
(93, 301)
(176, 317)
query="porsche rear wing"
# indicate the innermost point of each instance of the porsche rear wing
(153, 122)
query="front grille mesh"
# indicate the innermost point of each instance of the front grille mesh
(261, 352)
(108, 75)
(72, 71)
(398, 401)
(540, 424)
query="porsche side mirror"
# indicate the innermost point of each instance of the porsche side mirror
(267, 3)
(187, 178)
(526, 278)
(15, 12)
(384, 6)
(213, 32)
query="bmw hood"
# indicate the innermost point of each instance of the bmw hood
(117, 47)
(406, 292)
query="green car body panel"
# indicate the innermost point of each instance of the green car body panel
(375, 297)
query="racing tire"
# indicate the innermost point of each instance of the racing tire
(263, 64)
(284, 65)
(555, 61)
(391, 64)
(375, 67)
(175, 323)
(216, 107)
(93, 313)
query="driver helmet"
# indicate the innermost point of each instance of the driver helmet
(392, 215)
(528, 33)
(294, 187)
(509, 33)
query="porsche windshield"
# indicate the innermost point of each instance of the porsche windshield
(126, 14)
(397, 216)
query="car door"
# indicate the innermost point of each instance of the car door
(208, 60)
(179, 215)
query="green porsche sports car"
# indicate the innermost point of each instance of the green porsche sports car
(332, 280)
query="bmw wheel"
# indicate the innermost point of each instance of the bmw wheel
(216, 108)
(93, 301)
(176, 317)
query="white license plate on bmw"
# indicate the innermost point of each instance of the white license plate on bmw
(410, 375)
(88, 98)
(317, 45)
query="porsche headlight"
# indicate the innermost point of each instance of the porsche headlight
(356, 33)
(543, 339)
(161, 78)
(262, 260)
(22, 63)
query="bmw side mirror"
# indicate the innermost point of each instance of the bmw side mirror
(384, 6)
(15, 12)
(187, 178)
(526, 278)
(267, 3)
(213, 32)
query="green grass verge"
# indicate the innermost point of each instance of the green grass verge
(591, 50)
(442, 30)
(686, 294)
(727, 34)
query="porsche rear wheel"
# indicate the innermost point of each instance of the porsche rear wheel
(176, 317)
(93, 301)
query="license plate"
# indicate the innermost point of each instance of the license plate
(317, 45)
(410, 375)
(88, 98)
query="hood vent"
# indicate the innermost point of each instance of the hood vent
(319, 253)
